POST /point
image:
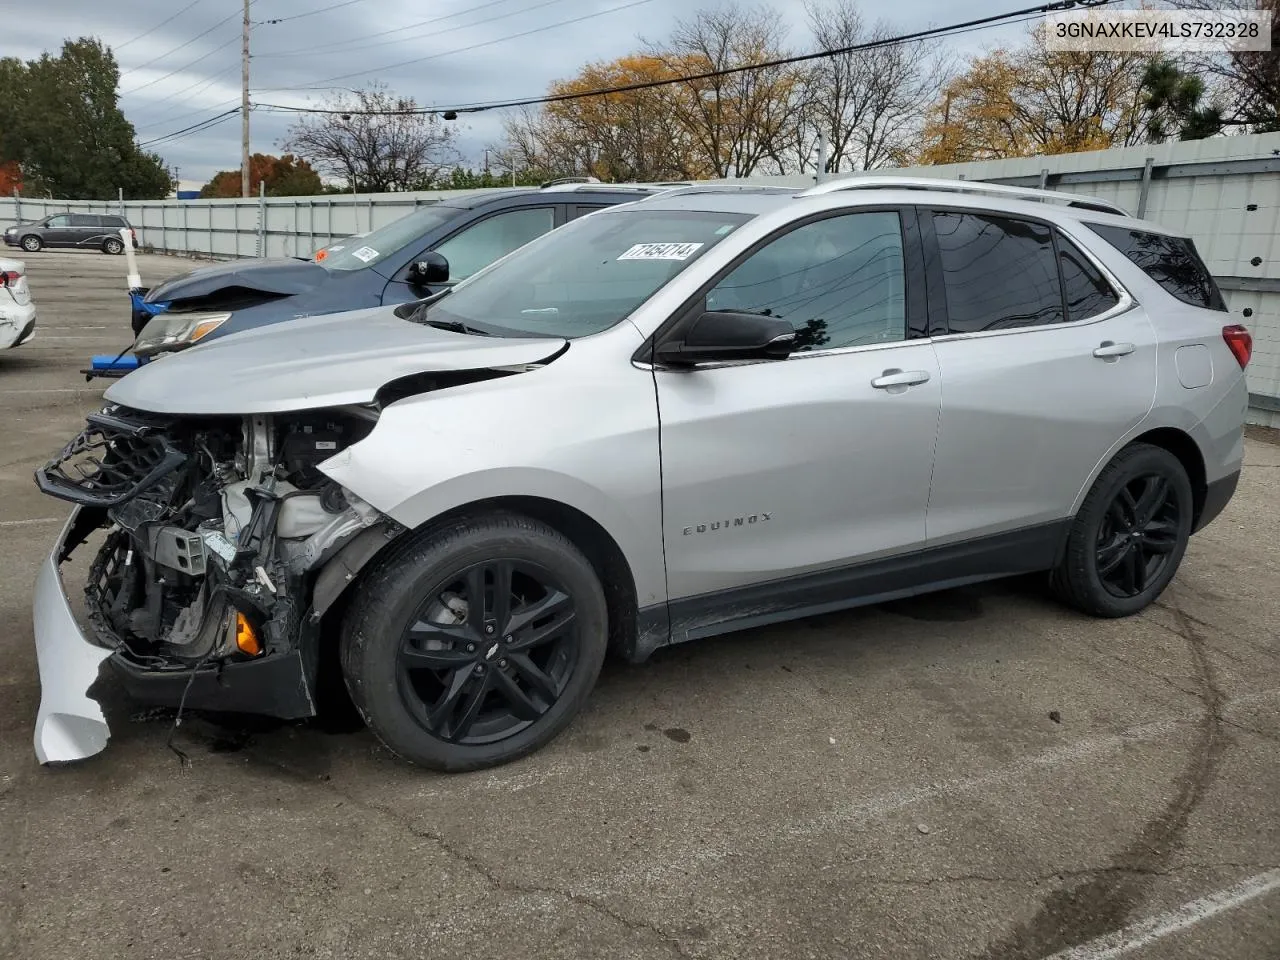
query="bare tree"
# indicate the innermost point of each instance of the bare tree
(736, 122)
(375, 141)
(870, 103)
(1246, 81)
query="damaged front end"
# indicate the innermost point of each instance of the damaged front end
(200, 592)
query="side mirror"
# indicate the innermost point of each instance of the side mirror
(431, 268)
(722, 335)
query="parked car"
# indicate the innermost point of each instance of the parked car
(17, 312)
(680, 417)
(389, 265)
(91, 231)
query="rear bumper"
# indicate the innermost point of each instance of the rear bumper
(17, 324)
(1216, 497)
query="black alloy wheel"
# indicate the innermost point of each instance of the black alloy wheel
(1138, 535)
(489, 651)
(1130, 534)
(474, 642)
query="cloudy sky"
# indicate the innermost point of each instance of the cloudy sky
(178, 73)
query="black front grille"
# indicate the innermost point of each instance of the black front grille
(117, 456)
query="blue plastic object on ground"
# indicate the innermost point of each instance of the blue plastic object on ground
(106, 361)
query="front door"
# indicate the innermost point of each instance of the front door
(776, 470)
(1042, 375)
(59, 232)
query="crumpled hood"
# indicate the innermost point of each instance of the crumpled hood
(284, 277)
(312, 362)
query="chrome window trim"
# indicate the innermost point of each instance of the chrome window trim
(1127, 301)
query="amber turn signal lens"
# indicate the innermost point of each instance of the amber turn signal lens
(247, 637)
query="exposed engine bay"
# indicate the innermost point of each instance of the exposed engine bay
(215, 527)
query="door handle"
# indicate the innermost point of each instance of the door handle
(1107, 350)
(900, 378)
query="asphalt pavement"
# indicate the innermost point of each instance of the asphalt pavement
(977, 774)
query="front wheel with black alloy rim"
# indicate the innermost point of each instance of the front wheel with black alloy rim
(113, 246)
(31, 243)
(1130, 535)
(475, 643)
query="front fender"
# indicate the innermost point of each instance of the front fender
(428, 455)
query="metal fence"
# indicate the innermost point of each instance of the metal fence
(1224, 192)
(256, 227)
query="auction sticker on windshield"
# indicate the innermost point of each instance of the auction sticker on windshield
(661, 251)
(365, 254)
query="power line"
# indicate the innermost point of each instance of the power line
(488, 43)
(383, 33)
(181, 45)
(312, 13)
(187, 66)
(203, 83)
(955, 28)
(195, 127)
(346, 47)
(147, 33)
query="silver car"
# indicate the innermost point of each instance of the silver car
(687, 415)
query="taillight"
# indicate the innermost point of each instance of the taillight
(9, 276)
(1239, 342)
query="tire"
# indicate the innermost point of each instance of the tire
(1130, 535)
(400, 680)
(113, 246)
(31, 243)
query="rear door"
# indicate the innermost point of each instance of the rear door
(86, 229)
(1045, 365)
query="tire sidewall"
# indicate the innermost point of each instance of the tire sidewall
(1141, 461)
(372, 639)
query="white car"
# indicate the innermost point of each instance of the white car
(17, 312)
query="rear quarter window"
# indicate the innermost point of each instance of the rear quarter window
(1172, 262)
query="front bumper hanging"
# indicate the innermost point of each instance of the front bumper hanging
(69, 725)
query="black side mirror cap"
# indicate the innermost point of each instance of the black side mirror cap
(431, 268)
(718, 336)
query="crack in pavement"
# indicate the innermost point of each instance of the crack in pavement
(1084, 911)
(481, 869)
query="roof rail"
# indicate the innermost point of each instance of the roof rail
(562, 181)
(685, 191)
(965, 186)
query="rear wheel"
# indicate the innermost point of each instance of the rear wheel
(112, 245)
(31, 243)
(1130, 535)
(476, 644)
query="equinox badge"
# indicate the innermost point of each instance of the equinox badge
(724, 524)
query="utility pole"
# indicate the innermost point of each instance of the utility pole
(244, 105)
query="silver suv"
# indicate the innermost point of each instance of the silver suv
(686, 415)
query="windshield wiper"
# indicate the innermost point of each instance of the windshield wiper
(456, 326)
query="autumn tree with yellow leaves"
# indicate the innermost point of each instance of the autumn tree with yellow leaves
(1031, 100)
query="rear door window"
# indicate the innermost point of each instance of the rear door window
(1172, 262)
(999, 273)
(84, 220)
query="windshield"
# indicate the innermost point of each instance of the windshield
(360, 252)
(587, 275)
